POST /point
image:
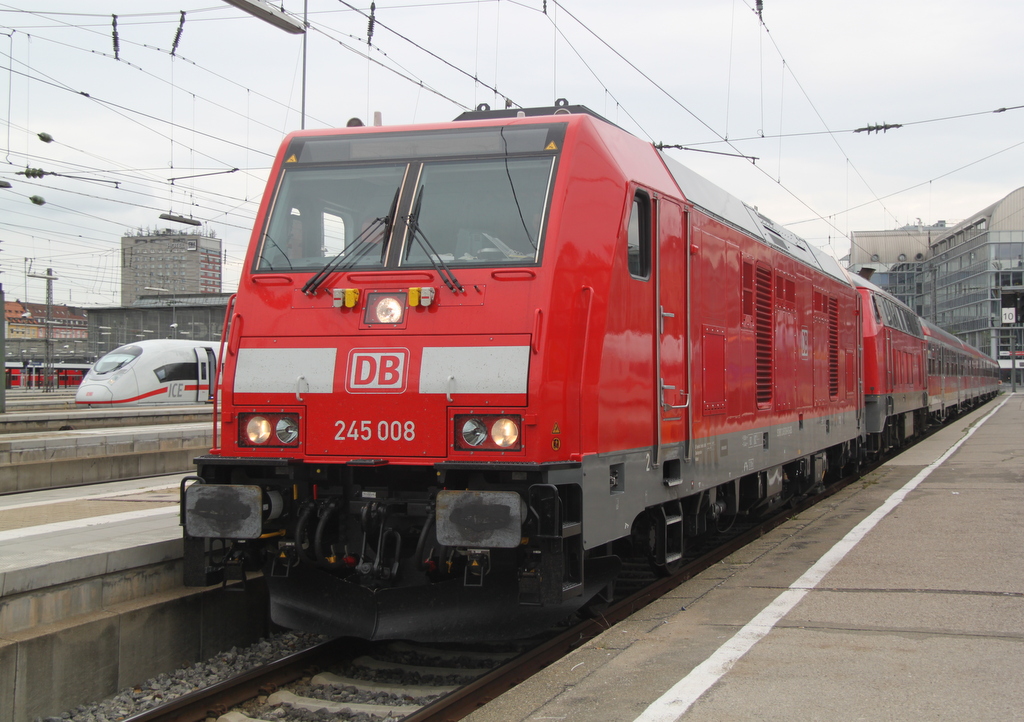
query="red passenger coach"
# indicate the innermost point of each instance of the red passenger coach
(473, 365)
(959, 376)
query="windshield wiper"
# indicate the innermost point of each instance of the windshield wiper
(359, 247)
(263, 259)
(413, 223)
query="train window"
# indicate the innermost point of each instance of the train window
(638, 241)
(480, 212)
(334, 234)
(321, 211)
(874, 305)
(187, 371)
(117, 358)
(211, 362)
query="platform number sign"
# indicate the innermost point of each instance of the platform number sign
(1013, 308)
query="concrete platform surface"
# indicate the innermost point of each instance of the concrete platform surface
(901, 597)
(65, 552)
(91, 598)
(43, 459)
(85, 417)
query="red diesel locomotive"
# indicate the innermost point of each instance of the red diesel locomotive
(472, 364)
(914, 372)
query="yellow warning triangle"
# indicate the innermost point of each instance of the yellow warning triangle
(556, 430)
(292, 159)
(551, 146)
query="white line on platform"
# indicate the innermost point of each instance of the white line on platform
(674, 703)
(73, 524)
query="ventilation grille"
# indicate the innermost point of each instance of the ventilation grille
(833, 348)
(763, 336)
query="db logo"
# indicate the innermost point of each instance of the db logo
(380, 371)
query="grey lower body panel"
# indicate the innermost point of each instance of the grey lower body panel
(618, 486)
(878, 407)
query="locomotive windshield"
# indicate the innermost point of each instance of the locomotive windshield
(320, 212)
(479, 212)
(116, 359)
(464, 197)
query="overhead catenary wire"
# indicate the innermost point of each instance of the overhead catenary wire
(126, 175)
(153, 48)
(122, 110)
(692, 114)
(730, 142)
(125, 20)
(173, 125)
(374, 21)
(905, 124)
(593, 72)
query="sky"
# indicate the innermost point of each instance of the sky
(766, 106)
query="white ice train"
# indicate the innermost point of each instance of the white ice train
(159, 371)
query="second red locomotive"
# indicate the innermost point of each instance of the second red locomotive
(471, 364)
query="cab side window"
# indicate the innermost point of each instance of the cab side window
(638, 243)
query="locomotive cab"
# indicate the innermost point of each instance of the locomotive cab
(382, 404)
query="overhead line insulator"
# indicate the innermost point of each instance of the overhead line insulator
(869, 129)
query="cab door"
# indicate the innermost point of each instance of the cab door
(206, 366)
(672, 321)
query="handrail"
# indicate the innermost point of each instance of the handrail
(218, 372)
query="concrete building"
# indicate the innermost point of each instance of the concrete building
(169, 262)
(893, 259)
(27, 330)
(975, 272)
(197, 316)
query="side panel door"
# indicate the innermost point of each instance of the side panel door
(672, 315)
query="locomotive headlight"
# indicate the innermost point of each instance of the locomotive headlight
(268, 429)
(505, 432)
(386, 308)
(258, 430)
(474, 432)
(287, 430)
(488, 432)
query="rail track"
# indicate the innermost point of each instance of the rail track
(440, 682)
(457, 679)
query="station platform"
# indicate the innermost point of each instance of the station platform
(91, 598)
(900, 597)
(44, 459)
(87, 417)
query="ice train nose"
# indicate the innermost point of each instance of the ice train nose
(93, 394)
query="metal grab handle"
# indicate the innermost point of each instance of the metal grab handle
(673, 406)
(448, 390)
(235, 336)
(298, 387)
